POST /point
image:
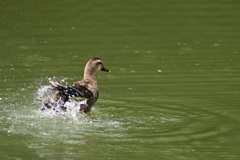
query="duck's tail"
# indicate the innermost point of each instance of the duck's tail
(57, 86)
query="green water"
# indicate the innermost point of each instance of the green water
(173, 92)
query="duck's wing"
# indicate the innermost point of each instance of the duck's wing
(77, 92)
(82, 90)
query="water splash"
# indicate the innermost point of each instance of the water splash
(43, 91)
(71, 105)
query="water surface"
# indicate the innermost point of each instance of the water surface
(173, 92)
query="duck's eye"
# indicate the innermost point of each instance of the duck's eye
(99, 63)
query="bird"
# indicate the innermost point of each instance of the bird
(85, 89)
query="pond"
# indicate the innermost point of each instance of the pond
(173, 91)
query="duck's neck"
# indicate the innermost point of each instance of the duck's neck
(89, 74)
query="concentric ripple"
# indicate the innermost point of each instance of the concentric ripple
(168, 120)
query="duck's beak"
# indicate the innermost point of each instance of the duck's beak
(105, 70)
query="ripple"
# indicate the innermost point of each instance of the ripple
(130, 120)
(167, 120)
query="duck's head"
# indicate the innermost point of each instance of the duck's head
(96, 65)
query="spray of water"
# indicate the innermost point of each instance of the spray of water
(72, 106)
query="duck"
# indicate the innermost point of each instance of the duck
(85, 89)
